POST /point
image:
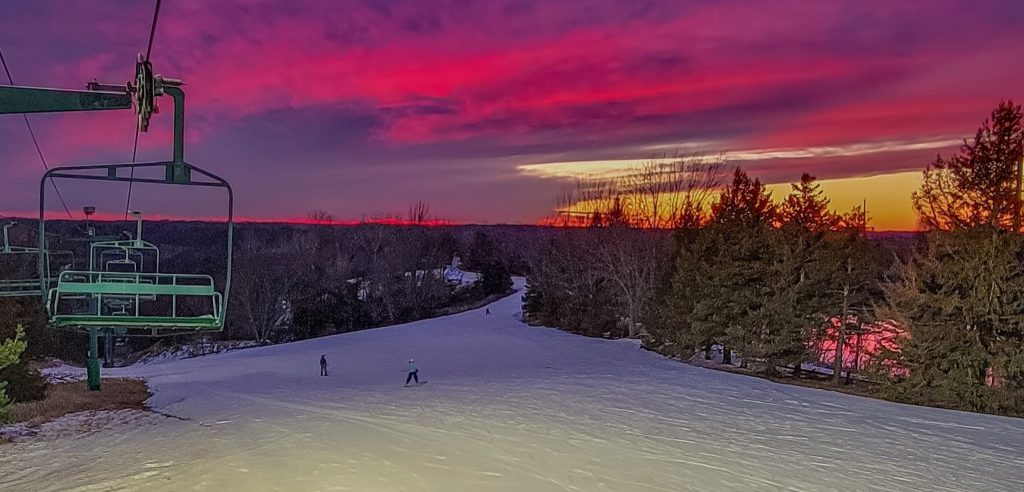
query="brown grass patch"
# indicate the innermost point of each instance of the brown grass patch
(64, 398)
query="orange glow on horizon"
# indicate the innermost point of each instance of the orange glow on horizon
(887, 197)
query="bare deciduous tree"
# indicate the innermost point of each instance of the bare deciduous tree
(419, 213)
(265, 283)
(320, 217)
(655, 194)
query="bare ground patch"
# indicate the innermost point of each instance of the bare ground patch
(65, 398)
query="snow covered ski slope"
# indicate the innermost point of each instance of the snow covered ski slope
(509, 407)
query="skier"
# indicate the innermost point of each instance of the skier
(488, 311)
(413, 373)
(323, 365)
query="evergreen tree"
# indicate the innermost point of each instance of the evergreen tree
(730, 275)
(962, 301)
(799, 273)
(982, 184)
(806, 207)
(494, 278)
(961, 297)
(855, 276)
(673, 300)
(10, 353)
(745, 202)
(482, 250)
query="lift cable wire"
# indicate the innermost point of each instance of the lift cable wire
(35, 141)
(135, 147)
(152, 30)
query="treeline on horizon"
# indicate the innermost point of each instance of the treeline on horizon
(689, 257)
(289, 282)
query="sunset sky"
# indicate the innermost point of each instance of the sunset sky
(488, 109)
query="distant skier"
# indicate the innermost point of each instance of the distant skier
(413, 373)
(323, 365)
(488, 311)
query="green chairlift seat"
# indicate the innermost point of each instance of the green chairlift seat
(113, 299)
(106, 297)
(100, 287)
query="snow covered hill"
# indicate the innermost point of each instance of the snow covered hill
(509, 407)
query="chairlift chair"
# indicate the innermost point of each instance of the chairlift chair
(19, 271)
(119, 289)
(96, 299)
(146, 301)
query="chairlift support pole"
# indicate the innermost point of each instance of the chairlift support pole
(7, 242)
(100, 97)
(108, 340)
(177, 171)
(93, 366)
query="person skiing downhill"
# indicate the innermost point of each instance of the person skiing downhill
(413, 373)
(323, 365)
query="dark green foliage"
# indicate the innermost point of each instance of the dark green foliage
(962, 301)
(673, 300)
(745, 202)
(10, 353)
(764, 281)
(484, 257)
(494, 279)
(22, 382)
(803, 273)
(961, 296)
(727, 274)
(482, 251)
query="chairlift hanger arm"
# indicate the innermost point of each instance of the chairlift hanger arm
(111, 173)
(18, 99)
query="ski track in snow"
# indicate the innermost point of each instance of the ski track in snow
(509, 407)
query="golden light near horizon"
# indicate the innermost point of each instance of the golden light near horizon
(886, 196)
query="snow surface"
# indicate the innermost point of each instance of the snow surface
(508, 407)
(73, 425)
(63, 373)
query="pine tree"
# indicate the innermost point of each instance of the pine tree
(10, 352)
(799, 272)
(807, 207)
(730, 262)
(854, 276)
(745, 202)
(982, 184)
(494, 278)
(672, 306)
(482, 250)
(962, 301)
(961, 297)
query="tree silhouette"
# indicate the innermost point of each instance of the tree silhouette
(981, 184)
